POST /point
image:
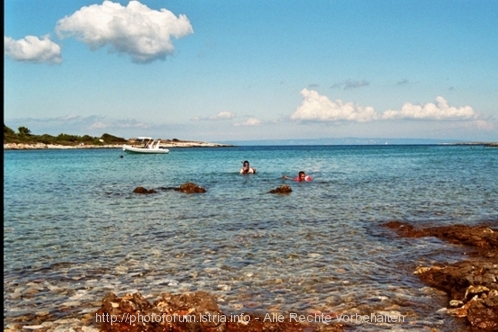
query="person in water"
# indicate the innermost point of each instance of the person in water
(301, 177)
(246, 169)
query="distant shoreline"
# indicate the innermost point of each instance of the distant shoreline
(477, 144)
(43, 146)
(184, 144)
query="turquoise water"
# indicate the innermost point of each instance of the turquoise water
(74, 229)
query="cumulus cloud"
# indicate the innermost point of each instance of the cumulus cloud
(249, 122)
(136, 30)
(316, 107)
(440, 110)
(32, 49)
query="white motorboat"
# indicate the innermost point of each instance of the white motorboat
(149, 145)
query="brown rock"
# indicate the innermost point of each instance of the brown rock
(283, 189)
(189, 312)
(482, 316)
(471, 284)
(142, 190)
(191, 188)
(476, 236)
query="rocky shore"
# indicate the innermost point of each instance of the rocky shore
(187, 312)
(471, 285)
(166, 144)
(196, 311)
(42, 146)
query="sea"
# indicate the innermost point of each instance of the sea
(74, 230)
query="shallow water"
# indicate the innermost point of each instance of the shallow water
(74, 230)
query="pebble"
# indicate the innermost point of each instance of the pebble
(224, 287)
(33, 327)
(89, 329)
(314, 255)
(15, 296)
(32, 290)
(52, 287)
(67, 321)
(35, 285)
(64, 329)
(71, 304)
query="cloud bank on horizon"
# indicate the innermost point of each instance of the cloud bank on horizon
(316, 107)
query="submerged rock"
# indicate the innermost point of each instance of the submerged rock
(477, 236)
(283, 189)
(191, 188)
(142, 190)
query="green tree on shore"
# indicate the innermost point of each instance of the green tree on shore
(23, 131)
(7, 131)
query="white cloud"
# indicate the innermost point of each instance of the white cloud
(316, 107)
(248, 122)
(118, 124)
(222, 116)
(438, 111)
(99, 125)
(484, 125)
(136, 30)
(32, 49)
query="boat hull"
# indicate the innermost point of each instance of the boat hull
(132, 149)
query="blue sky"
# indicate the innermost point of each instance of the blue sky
(253, 70)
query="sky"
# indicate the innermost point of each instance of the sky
(224, 70)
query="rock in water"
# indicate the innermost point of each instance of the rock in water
(182, 312)
(471, 284)
(142, 190)
(191, 188)
(283, 189)
(188, 312)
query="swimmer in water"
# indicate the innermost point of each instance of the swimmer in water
(246, 169)
(301, 177)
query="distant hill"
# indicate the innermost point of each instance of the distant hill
(23, 135)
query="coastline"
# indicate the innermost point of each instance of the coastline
(485, 144)
(169, 144)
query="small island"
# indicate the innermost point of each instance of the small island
(23, 139)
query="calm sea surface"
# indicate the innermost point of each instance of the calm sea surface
(74, 230)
